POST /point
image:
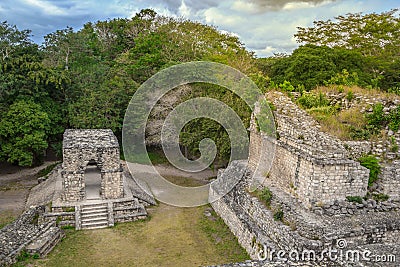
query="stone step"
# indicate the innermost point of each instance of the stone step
(94, 206)
(96, 210)
(133, 215)
(46, 242)
(95, 225)
(95, 219)
(89, 205)
(94, 215)
(132, 207)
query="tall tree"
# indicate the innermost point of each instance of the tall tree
(371, 34)
(23, 133)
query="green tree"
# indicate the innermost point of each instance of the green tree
(12, 40)
(371, 34)
(375, 36)
(23, 133)
(312, 65)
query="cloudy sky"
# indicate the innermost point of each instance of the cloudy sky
(264, 26)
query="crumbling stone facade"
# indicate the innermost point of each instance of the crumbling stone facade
(79, 148)
(29, 234)
(307, 163)
(309, 174)
(302, 229)
(389, 179)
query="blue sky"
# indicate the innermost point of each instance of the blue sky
(264, 26)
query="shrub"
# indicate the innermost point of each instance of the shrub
(344, 78)
(57, 147)
(394, 147)
(68, 227)
(278, 215)
(23, 256)
(310, 100)
(372, 163)
(380, 197)
(356, 199)
(265, 195)
(377, 118)
(394, 90)
(286, 86)
(394, 119)
(24, 131)
(359, 134)
(350, 96)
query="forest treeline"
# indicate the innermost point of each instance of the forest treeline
(85, 78)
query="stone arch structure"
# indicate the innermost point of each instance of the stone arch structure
(80, 146)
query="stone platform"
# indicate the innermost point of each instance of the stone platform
(93, 211)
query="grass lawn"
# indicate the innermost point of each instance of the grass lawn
(171, 237)
(7, 217)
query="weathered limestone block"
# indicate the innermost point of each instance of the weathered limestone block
(83, 146)
(389, 180)
(303, 161)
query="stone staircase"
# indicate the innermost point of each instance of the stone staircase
(94, 216)
(45, 242)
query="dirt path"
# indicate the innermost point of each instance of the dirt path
(168, 170)
(15, 183)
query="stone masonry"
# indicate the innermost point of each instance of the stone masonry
(309, 175)
(28, 234)
(303, 230)
(309, 164)
(83, 146)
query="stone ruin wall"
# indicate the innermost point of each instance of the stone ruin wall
(79, 148)
(309, 164)
(380, 148)
(389, 179)
(253, 224)
(314, 181)
(28, 233)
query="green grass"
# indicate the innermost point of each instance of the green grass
(264, 195)
(47, 170)
(155, 157)
(380, 197)
(372, 163)
(172, 237)
(6, 217)
(226, 244)
(12, 186)
(183, 181)
(356, 199)
(278, 215)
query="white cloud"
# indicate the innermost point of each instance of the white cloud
(46, 7)
(264, 26)
(275, 5)
(267, 50)
(184, 10)
(215, 16)
(243, 6)
(229, 33)
(297, 5)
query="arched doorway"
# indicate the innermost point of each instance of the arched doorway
(92, 181)
(81, 146)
